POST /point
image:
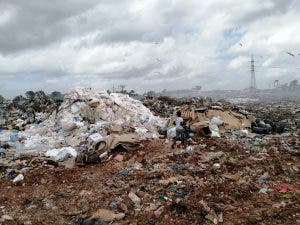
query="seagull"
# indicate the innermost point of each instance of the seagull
(291, 54)
(241, 44)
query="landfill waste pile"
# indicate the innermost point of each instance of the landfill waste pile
(88, 124)
(285, 113)
(164, 105)
(108, 159)
(33, 108)
(202, 115)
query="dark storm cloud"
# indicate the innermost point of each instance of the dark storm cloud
(36, 23)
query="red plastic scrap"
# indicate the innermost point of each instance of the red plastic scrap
(119, 158)
(286, 187)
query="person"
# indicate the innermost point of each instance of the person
(178, 120)
(180, 132)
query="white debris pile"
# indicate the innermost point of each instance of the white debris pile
(87, 116)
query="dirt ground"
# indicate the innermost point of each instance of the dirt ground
(240, 186)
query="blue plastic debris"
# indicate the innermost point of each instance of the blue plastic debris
(13, 137)
(177, 166)
(124, 171)
(2, 151)
(10, 174)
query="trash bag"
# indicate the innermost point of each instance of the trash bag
(278, 127)
(62, 153)
(181, 134)
(266, 127)
(171, 133)
(214, 126)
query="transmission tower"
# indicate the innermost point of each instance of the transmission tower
(253, 80)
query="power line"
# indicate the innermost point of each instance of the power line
(278, 67)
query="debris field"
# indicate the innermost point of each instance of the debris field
(108, 159)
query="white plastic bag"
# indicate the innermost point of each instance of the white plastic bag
(171, 133)
(61, 153)
(214, 126)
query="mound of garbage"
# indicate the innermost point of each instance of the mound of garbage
(89, 121)
(32, 108)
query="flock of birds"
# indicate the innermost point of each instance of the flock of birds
(289, 53)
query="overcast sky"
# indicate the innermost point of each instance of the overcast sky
(146, 44)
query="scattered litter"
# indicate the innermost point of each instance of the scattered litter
(18, 178)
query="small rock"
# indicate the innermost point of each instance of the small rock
(168, 181)
(43, 181)
(178, 143)
(135, 199)
(295, 168)
(6, 217)
(84, 193)
(208, 156)
(123, 207)
(279, 205)
(107, 215)
(151, 207)
(69, 163)
(159, 211)
(31, 207)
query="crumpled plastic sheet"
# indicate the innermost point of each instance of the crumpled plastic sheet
(214, 126)
(61, 154)
(171, 133)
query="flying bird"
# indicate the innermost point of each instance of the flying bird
(159, 73)
(291, 54)
(241, 44)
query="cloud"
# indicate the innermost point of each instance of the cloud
(238, 62)
(148, 44)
